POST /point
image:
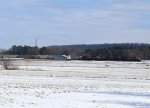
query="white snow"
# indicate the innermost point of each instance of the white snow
(76, 84)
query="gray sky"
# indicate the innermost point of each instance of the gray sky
(59, 22)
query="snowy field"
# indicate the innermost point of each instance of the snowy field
(76, 84)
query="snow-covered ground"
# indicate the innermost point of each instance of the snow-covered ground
(76, 84)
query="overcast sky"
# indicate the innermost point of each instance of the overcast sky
(59, 22)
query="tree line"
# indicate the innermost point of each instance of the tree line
(106, 50)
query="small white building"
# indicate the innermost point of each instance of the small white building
(54, 57)
(60, 57)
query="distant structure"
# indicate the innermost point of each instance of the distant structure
(103, 58)
(36, 42)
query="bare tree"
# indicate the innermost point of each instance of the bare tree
(5, 62)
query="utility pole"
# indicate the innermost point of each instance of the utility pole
(36, 42)
(36, 46)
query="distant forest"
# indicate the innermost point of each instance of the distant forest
(105, 50)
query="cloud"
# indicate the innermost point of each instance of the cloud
(76, 21)
(17, 2)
